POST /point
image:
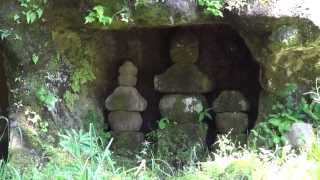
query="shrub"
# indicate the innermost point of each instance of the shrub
(272, 131)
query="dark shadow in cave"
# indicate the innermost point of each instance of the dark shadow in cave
(4, 125)
(224, 56)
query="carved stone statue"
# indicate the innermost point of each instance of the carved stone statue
(125, 105)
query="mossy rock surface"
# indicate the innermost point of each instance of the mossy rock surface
(230, 101)
(183, 78)
(181, 108)
(299, 65)
(126, 99)
(127, 143)
(184, 48)
(177, 144)
(125, 121)
(152, 14)
(234, 122)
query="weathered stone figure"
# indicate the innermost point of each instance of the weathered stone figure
(231, 109)
(184, 83)
(124, 105)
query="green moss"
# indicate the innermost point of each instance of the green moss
(81, 75)
(153, 14)
(46, 98)
(78, 58)
(176, 145)
(127, 143)
(299, 64)
(112, 6)
(70, 98)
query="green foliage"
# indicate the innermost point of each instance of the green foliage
(239, 169)
(81, 75)
(163, 123)
(141, 3)
(80, 143)
(7, 171)
(70, 98)
(212, 7)
(203, 113)
(35, 58)
(4, 33)
(315, 94)
(313, 109)
(46, 98)
(98, 14)
(44, 126)
(273, 130)
(92, 117)
(89, 159)
(81, 156)
(314, 152)
(32, 10)
(312, 112)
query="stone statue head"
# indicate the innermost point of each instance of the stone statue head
(184, 48)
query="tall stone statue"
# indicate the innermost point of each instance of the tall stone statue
(182, 85)
(125, 105)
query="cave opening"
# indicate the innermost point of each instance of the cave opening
(4, 124)
(223, 56)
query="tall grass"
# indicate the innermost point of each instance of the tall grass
(82, 156)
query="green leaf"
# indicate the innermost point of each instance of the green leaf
(198, 108)
(212, 7)
(105, 20)
(16, 17)
(284, 127)
(201, 2)
(275, 122)
(25, 5)
(99, 10)
(46, 97)
(201, 117)
(209, 115)
(276, 139)
(35, 58)
(39, 12)
(163, 123)
(4, 33)
(31, 16)
(89, 19)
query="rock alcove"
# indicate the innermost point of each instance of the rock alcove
(223, 57)
(78, 63)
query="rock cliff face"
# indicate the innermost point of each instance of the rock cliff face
(61, 70)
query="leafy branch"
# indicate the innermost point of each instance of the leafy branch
(212, 7)
(98, 14)
(32, 10)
